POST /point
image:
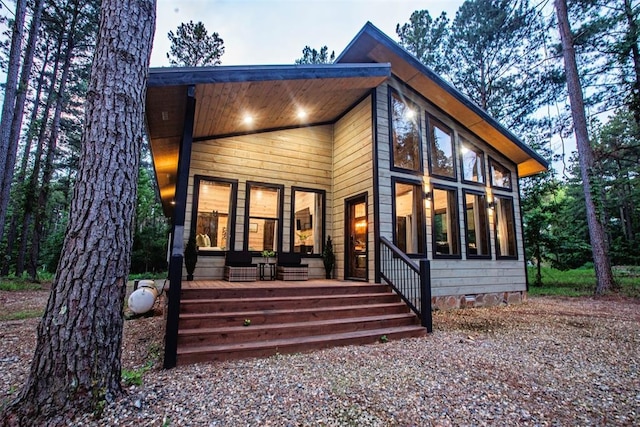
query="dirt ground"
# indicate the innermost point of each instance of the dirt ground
(584, 348)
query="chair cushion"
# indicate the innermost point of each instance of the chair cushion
(238, 259)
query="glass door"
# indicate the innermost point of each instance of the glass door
(356, 223)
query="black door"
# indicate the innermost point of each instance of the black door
(356, 245)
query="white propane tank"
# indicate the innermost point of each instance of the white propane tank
(142, 299)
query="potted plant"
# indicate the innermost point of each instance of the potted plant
(190, 256)
(328, 258)
(267, 254)
(303, 242)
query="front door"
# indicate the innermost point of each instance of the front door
(356, 232)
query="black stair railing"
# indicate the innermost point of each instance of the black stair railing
(410, 281)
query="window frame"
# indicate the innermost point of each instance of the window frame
(496, 198)
(434, 243)
(231, 232)
(493, 161)
(418, 126)
(431, 123)
(487, 227)
(463, 141)
(247, 214)
(420, 215)
(292, 228)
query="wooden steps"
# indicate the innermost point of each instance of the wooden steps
(288, 319)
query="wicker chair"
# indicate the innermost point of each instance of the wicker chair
(238, 267)
(290, 267)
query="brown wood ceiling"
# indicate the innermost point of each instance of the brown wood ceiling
(221, 108)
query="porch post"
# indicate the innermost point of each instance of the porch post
(177, 248)
(425, 295)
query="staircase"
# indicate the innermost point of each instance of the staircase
(288, 319)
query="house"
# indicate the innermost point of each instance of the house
(374, 150)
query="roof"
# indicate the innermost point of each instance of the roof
(372, 45)
(271, 95)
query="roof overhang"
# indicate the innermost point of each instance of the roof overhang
(372, 45)
(272, 95)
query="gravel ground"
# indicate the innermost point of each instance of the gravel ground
(548, 361)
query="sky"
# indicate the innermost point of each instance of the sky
(264, 32)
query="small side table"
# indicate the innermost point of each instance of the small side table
(267, 270)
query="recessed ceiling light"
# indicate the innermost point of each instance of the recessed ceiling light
(302, 114)
(248, 119)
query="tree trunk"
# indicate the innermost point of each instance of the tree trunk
(76, 365)
(604, 277)
(635, 56)
(8, 108)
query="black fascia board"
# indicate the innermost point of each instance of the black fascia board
(176, 76)
(378, 36)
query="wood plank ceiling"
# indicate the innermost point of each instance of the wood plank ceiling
(222, 107)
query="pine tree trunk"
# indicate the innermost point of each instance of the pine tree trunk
(76, 365)
(8, 108)
(604, 277)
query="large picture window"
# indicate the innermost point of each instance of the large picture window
(476, 225)
(445, 224)
(405, 134)
(441, 150)
(263, 221)
(308, 220)
(472, 162)
(409, 225)
(505, 228)
(500, 176)
(214, 209)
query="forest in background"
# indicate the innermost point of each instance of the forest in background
(505, 55)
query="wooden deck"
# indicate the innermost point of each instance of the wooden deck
(223, 284)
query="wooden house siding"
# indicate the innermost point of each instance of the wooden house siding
(300, 157)
(352, 160)
(449, 276)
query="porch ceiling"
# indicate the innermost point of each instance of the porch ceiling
(373, 45)
(272, 95)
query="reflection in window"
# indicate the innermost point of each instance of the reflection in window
(213, 219)
(500, 176)
(472, 163)
(308, 221)
(505, 228)
(409, 233)
(406, 137)
(264, 218)
(446, 237)
(476, 225)
(441, 150)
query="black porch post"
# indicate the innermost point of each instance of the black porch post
(177, 248)
(425, 295)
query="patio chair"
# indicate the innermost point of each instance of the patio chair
(238, 267)
(290, 267)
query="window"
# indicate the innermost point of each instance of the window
(405, 134)
(409, 228)
(308, 220)
(476, 225)
(500, 176)
(505, 228)
(472, 162)
(263, 223)
(446, 235)
(213, 207)
(441, 150)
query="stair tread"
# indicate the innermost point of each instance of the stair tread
(284, 298)
(333, 338)
(282, 311)
(313, 323)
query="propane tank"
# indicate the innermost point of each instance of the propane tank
(143, 298)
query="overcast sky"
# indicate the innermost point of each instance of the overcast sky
(275, 31)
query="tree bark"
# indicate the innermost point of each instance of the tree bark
(8, 108)
(632, 35)
(76, 365)
(599, 247)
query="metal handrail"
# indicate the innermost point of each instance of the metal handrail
(410, 281)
